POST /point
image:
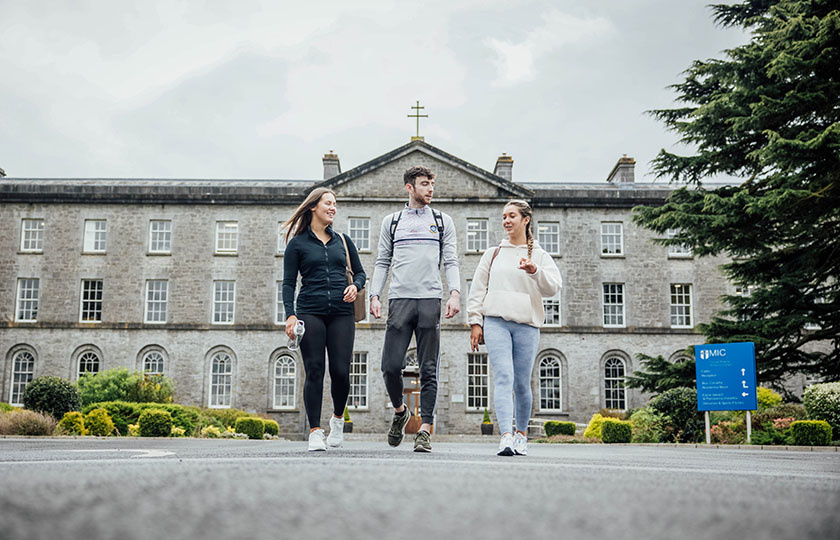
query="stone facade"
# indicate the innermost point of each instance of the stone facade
(189, 340)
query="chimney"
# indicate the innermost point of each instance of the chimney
(2, 173)
(504, 167)
(332, 167)
(624, 171)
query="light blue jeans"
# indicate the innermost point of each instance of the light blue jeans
(512, 348)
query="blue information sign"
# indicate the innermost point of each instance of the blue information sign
(726, 377)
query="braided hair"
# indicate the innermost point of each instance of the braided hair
(526, 212)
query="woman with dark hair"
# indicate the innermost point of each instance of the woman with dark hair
(505, 310)
(324, 304)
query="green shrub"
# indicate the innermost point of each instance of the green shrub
(272, 427)
(767, 398)
(51, 395)
(5, 407)
(811, 433)
(224, 418)
(729, 432)
(683, 422)
(155, 423)
(122, 413)
(553, 427)
(346, 416)
(648, 426)
(822, 401)
(72, 423)
(776, 432)
(177, 432)
(98, 422)
(783, 410)
(121, 384)
(252, 427)
(616, 431)
(25, 422)
(486, 418)
(211, 432)
(133, 430)
(593, 430)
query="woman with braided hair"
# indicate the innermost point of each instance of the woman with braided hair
(505, 310)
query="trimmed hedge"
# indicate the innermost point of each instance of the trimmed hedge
(72, 423)
(822, 401)
(593, 430)
(553, 427)
(254, 428)
(783, 410)
(51, 395)
(616, 431)
(155, 423)
(273, 428)
(98, 423)
(811, 433)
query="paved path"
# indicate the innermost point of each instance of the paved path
(173, 489)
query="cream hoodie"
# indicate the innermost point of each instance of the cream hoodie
(513, 294)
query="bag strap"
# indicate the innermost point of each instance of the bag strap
(493, 258)
(348, 270)
(439, 222)
(395, 220)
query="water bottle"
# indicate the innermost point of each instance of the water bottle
(300, 328)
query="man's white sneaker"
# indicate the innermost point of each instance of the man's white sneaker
(336, 437)
(506, 445)
(520, 444)
(316, 441)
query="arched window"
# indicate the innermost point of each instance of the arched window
(22, 372)
(614, 384)
(153, 363)
(221, 380)
(88, 363)
(284, 382)
(550, 384)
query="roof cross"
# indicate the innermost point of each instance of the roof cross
(418, 116)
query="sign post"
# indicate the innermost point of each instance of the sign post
(726, 380)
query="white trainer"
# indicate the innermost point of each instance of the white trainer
(506, 445)
(520, 444)
(336, 437)
(316, 441)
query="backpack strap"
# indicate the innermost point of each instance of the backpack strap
(439, 222)
(493, 258)
(348, 269)
(395, 220)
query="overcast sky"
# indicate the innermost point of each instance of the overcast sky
(244, 89)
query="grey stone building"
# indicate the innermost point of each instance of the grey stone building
(182, 277)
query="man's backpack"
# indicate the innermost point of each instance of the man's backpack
(395, 220)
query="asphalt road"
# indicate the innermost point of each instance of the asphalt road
(171, 489)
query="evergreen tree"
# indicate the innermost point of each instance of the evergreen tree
(769, 113)
(658, 375)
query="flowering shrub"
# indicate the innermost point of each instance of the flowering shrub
(729, 433)
(211, 432)
(822, 401)
(782, 423)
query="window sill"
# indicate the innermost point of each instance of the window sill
(283, 410)
(159, 253)
(280, 254)
(678, 257)
(612, 255)
(94, 252)
(358, 409)
(34, 252)
(224, 254)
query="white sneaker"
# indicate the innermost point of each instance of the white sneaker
(520, 444)
(316, 441)
(506, 445)
(336, 437)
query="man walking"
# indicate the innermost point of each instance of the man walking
(412, 245)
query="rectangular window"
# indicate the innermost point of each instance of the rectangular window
(614, 304)
(358, 398)
(612, 239)
(548, 236)
(96, 232)
(160, 236)
(552, 310)
(157, 297)
(32, 235)
(677, 251)
(227, 236)
(27, 300)
(224, 294)
(360, 233)
(477, 381)
(281, 238)
(279, 308)
(91, 304)
(476, 234)
(680, 305)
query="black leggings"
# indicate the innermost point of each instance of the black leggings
(333, 334)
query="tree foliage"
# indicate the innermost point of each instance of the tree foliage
(769, 113)
(658, 375)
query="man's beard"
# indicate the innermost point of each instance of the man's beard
(421, 200)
